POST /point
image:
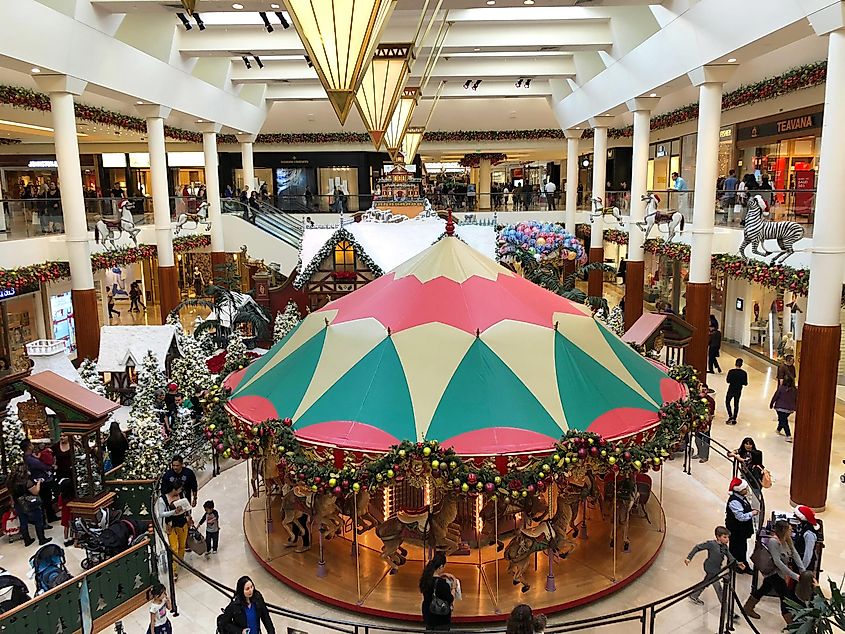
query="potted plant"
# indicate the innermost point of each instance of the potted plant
(821, 615)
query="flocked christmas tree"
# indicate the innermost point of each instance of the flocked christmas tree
(615, 320)
(147, 454)
(187, 440)
(190, 370)
(286, 321)
(91, 378)
(236, 354)
(89, 483)
(13, 434)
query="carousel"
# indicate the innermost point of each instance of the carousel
(452, 405)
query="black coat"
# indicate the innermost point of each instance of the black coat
(233, 619)
(443, 590)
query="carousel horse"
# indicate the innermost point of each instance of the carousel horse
(533, 507)
(294, 506)
(674, 220)
(110, 231)
(544, 537)
(576, 492)
(756, 230)
(432, 527)
(632, 494)
(600, 210)
(325, 515)
(354, 505)
(265, 470)
(199, 217)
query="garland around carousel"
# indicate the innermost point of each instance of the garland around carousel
(575, 451)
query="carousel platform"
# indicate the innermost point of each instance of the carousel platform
(586, 575)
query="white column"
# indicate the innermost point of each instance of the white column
(247, 162)
(155, 116)
(710, 81)
(484, 185)
(826, 260)
(572, 139)
(61, 89)
(212, 184)
(599, 178)
(641, 108)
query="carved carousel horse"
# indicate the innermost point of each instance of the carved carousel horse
(533, 507)
(358, 505)
(199, 217)
(544, 537)
(632, 494)
(110, 231)
(600, 210)
(431, 527)
(674, 220)
(324, 515)
(756, 230)
(265, 470)
(575, 493)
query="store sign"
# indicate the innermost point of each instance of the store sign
(661, 151)
(6, 293)
(726, 134)
(43, 164)
(781, 127)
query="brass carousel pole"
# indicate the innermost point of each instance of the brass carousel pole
(550, 578)
(496, 535)
(660, 500)
(615, 490)
(355, 544)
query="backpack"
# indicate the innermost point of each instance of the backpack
(763, 560)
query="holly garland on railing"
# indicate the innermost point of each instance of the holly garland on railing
(448, 470)
(327, 249)
(33, 275)
(616, 236)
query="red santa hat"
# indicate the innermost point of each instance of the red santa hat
(737, 485)
(172, 387)
(806, 514)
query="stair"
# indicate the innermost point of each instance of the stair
(269, 219)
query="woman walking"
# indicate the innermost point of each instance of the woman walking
(784, 557)
(26, 495)
(784, 402)
(117, 444)
(246, 611)
(436, 588)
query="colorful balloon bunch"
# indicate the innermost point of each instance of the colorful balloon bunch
(546, 241)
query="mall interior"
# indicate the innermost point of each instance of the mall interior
(557, 239)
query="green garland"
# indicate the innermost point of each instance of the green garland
(448, 470)
(474, 159)
(326, 250)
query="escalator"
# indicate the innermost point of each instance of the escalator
(275, 222)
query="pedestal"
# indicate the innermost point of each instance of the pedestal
(168, 291)
(218, 258)
(634, 281)
(595, 280)
(698, 314)
(86, 316)
(814, 420)
(87, 508)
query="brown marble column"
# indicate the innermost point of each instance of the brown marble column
(595, 279)
(168, 290)
(218, 258)
(698, 314)
(86, 315)
(634, 281)
(814, 420)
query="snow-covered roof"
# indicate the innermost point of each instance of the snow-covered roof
(390, 244)
(227, 311)
(120, 345)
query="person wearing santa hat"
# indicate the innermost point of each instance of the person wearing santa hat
(784, 556)
(805, 542)
(739, 520)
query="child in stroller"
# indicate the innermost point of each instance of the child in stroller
(18, 593)
(109, 535)
(49, 568)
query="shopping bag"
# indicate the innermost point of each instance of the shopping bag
(196, 542)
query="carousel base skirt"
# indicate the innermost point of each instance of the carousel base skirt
(586, 575)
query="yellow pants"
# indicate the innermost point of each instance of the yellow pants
(178, 537)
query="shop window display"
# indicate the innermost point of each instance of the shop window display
(61, 314)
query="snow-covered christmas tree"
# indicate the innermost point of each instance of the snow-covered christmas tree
(236, 354)
(190, 370)
(91, 378)
(286, 321)
(615, 320)
(206, 341)
(187, 439)
(13, 434)
(147, 454)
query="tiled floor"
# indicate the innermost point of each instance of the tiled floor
(694, 505)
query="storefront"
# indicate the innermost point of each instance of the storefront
(664, 158)
(22, 318)
(785, 149)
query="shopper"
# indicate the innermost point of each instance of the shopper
(717, 553)
(63, 455)
(172, 511)
(254, 207)
(246, 612)
(750, 461)
(42, 473)
(53, 208)
(184, 477)
(135, 298)
(211, 519)
(787, 369)
(66, 495)
(27, 501)
(784, 402)
(784, 557)
(550, 189)
(714, 345)
(521, 620)
(539, 623)
(739, 520)
(438, 598)
(807, 536)
(110, 304)
(159, 606)
(117, 444)
(736, 379)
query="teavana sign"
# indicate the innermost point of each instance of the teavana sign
(781, 127)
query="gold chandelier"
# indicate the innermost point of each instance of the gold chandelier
(400, 121)
(382, 86)
(340, 37)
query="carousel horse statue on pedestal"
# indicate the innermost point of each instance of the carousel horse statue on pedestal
(674, 220)
(496, 513)
(756, 230)
(547, 536)
(199, 217)
(600, 210)
(109, 231)
(298, 502)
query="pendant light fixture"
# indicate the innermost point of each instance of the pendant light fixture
(400, 120)
(340, 38)
(382, 86)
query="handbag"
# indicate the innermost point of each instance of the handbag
(762, 560)
(29, 503)
(766, 480)
(438, 606)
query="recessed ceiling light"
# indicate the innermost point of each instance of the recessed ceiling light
(274, 6)
(200, 120)
(35, 69)
(476, 49)
(237, 6)
(731, 60)
(140, 103)
(490, 3)
(654, 94)
(527, 1)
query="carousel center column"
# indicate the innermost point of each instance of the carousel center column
(595, 280)
(710, 81)
(62, 89)
(168, 280)
(635, 267)
(573, 137)
(212, 192)
(822, 332)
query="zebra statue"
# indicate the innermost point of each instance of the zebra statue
(757, 230)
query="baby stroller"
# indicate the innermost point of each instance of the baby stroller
(49, 568)
(101, 543)
(15, 592)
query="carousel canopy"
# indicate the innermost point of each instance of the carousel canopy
(454, 347)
